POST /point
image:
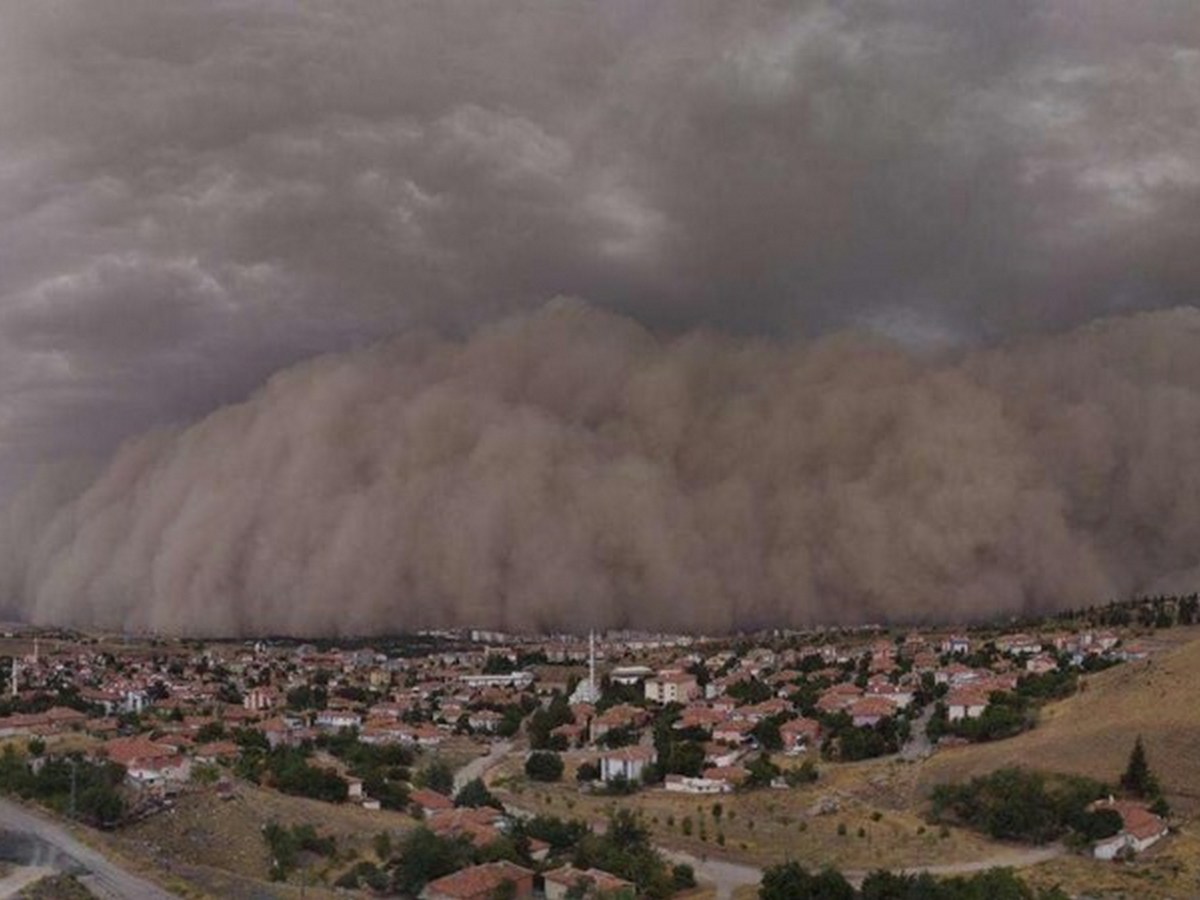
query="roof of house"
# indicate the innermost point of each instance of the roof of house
(126, 750)
(569, 876)
(873, 706)
(1137, 818)
(477, 880)
(636, 753)
(431, 799)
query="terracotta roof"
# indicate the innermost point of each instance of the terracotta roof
(631, 754)
(569, 876)
(1137, 818)
(430, 799)
(478, 880)
(873, 706)
(137, 748)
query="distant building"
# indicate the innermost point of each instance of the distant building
(672, 687)
(799, 735)
(688, 785)
(518, 680)
(966, 703)
(630, 675)
(567, 880)
(870, 711)
(627, 763)
(588, 690)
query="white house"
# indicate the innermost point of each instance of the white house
(1140, 829)
(627, 762)
(688, 785)
(956, 643)
(334, 719)
(965, 703)
(630, 675)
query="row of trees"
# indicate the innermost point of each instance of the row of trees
(1023, 805)
(67, 784)
(624, 850)
(792, 881)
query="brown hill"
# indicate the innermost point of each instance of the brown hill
(1092, 732)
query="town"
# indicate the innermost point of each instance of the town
(471, 764)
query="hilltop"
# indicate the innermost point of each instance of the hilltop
(1092, 732)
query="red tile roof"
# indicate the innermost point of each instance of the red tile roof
(478, 881)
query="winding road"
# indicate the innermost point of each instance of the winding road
(100, 875)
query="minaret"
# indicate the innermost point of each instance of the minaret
(35, 650)
(592, 664)
(15, 671)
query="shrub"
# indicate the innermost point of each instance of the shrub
(544, 765)
(475, 794)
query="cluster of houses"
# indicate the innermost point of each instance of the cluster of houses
(496, 879)
(483, 826)
(294, 693)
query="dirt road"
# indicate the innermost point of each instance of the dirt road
(101, 876)
(478, 768)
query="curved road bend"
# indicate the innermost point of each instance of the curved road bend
(102, 877)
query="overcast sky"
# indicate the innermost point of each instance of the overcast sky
(196, 194)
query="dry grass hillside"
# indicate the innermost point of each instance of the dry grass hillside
(1092, 732)
(216, 847)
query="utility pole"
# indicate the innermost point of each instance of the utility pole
(73, 765)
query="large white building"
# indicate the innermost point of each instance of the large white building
(672, 687)
(628, 763)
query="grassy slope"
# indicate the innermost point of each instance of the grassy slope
(1093, 732)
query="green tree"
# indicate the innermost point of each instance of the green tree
(382, 845)
(475, 794)
(791, 881)
(766, 732)
(424, 856)
(1138, 779)
(542, 765)
(685, 758)
(762, 771)
(437, 776)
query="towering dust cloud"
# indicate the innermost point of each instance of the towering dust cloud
(567, 468)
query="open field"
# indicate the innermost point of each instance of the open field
(1092, 732)
(871, 826)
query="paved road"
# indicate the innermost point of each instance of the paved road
(21, 877)
(479, 767)
(725, 876)
(101, 876)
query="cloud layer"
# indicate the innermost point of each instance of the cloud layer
(196, 196)
(567, 469)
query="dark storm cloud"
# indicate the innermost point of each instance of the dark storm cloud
(196, 195)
